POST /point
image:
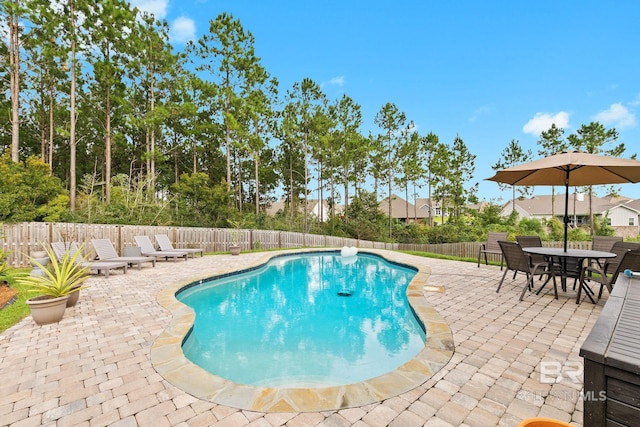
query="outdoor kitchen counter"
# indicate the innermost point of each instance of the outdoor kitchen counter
(611, 355)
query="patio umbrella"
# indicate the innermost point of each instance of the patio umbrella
(571, 168)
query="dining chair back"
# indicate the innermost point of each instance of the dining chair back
(619, 248)
(531, 242)
(630, 260)
(491, 246)
(604, 243)
(518, 261)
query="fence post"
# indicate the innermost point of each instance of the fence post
(120, 245)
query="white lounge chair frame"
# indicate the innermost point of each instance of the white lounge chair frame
(60, 248)
(165, 245)
(147, 248)
(105, 251)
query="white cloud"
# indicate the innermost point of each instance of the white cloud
(636, 101)
(479, 112)
(618, 116)
(157, 8)
(543, 121)
(338, 81)
(182, 29)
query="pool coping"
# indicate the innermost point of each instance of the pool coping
(169, 361)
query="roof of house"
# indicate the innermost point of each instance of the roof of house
(279, 205)
(578, 205)
(399, 208)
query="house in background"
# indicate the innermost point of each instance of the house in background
(317, 210)
(410, 213)
(622, 213)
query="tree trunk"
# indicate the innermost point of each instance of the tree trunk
(152, 141)
(107, 149)
(51, 128)
(256, 159)
(72, 114)
(14, 77)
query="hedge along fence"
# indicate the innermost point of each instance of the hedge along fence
(20, 240)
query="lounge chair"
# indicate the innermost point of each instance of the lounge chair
(147, 248)
(491, 246)
(165, 245)
(105, 251)
(517, 260)
(60, 248)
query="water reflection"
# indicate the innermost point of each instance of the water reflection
(284, 325)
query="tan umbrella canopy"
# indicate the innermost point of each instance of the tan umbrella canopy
(571, 168)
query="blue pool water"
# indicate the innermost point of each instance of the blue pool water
(285, 324)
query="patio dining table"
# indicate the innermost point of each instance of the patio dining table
(577, 255)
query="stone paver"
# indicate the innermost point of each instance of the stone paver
(93, 368)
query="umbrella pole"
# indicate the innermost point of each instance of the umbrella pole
(566, 208)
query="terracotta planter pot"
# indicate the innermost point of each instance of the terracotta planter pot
(46, 310)
(543, 422)
(73, 298)
(234, 249)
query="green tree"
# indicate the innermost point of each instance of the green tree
(198, 202)
(348, 143)
(27, 191)
(551, 141)
(513, 154)
(594, 138)
(305, 101)
(112, 48)
(391, 121)
(258, 123)
(410, 167)
(367, 221)
(226, 53)
(431, 146)
(461, 172)
(14, 10)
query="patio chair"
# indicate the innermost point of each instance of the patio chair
(60, 248)
(491, 246)
(518, 261)
(619, 248)
(148, 249)
(105, 251)
(606, 278)
(604, 243)
(165, 245)
(532, 242)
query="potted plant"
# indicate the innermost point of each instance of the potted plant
(62, 278)
(5, 274)
(234, 247)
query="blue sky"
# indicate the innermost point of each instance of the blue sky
(488, 71)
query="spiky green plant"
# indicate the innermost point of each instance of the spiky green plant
(61, 277)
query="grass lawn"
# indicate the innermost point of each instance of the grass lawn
(18, 310)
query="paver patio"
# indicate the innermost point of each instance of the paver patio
(93, 368)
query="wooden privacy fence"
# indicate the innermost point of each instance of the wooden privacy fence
(20, 240)
(23, 238)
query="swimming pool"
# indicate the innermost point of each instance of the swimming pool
(168, 359)
(305, 320)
